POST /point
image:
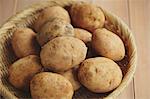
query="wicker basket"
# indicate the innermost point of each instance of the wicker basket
(26, 17)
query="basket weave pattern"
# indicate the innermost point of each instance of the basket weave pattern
(26, 17)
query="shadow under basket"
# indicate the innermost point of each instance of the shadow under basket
(26, 17)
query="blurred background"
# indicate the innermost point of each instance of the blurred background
(135, 13)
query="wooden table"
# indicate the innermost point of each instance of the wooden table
(136, 14)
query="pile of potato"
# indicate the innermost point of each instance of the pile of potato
(54, 61)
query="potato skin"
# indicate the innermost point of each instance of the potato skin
(71, 75)
(50, 13)
(100, 74)
(87, 16)
(24, 42)
(108, 44)
(83, 35)
(54, 28)
(48, 85)
(22, 71)
(63, 53)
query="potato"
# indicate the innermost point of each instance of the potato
(48, 85)
(87, 16)
(49, 13)
(100, 74)
(22, 71)
(54, 28)
(83, 35)
(24, 42)
(71, 75)
(63, 53)
(108, 44)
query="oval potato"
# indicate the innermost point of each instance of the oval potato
(83, 35)
(87, 16)
(50, 13)
(54, 28)
(99, 74)
(22, 71)
(108, 44)
(24, 42)
(63, 53)
(50, 85)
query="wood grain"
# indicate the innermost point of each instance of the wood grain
(0, 13)
(140, 24)
(118, 7)
(25, 3)
(6, 9)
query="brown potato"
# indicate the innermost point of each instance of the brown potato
(108, 44)
(54, 28)
(22, 71)
(48, 85)
(87, 16)
(71, 75)
(63, 53)
(24, 42)
(83, 35)
(49, 13)
(100, 74)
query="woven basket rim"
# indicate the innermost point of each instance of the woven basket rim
(131, 71)
(11, 23)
